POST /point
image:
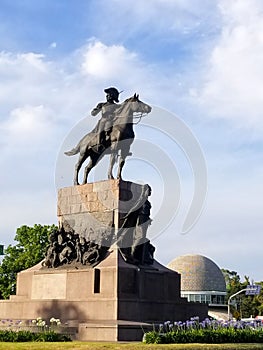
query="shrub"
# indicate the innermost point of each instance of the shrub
(207, 331)
(25, 336)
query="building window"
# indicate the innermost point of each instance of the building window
(191, 297)
(205, 298)
(208, 299)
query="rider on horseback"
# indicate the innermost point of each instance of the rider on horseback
(107, 109)
(121, 131)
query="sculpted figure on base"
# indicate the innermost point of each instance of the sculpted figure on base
(134, 246)
(67, 247)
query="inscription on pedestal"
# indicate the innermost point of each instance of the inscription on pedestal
(49, 286)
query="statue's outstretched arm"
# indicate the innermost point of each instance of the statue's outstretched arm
(97, 109)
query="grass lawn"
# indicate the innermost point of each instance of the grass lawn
(123, 346)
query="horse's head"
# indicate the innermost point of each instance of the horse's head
(137, 106)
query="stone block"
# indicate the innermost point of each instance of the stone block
(75, 208)
(86, 207)
(92, 197)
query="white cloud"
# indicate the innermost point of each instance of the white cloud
(27, 125)
(53, 45)
(102, 65)
(56, 88)
(25, 77)
(114, 65)
(21, 65)
(35, 61)
(107, 62)
(233, 87)
(24, 207)
(154, 17)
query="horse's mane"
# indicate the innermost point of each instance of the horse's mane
(119, 109)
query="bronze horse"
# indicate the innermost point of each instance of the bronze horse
(118, 142)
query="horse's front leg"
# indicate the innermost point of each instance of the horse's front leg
(94, 157)
(125, 152)
(112, 162)
(123, 156)
(86, 172)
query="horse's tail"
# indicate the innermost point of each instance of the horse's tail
(74, 151)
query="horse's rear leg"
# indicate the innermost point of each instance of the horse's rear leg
(113, 158)
(78, 165)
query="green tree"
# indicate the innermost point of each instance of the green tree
(245, 305)
(252, 304)
(260, 299)
(233, 285)
(30, 250)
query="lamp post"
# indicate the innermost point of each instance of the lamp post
(250, 288)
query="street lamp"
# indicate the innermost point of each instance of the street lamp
(252, 289)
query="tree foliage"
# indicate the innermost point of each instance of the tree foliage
(244, 305)
(30, 249)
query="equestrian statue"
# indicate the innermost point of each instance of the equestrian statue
(112, 135)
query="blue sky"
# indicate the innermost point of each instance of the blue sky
(198, 60)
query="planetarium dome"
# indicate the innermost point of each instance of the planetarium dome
(201, 279)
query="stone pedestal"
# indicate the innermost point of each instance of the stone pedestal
(113, 300)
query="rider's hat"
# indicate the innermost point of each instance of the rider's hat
(113, 92)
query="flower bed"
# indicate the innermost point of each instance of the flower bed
(207, 331)
(33, 330)
(25, 336)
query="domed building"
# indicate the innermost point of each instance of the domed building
(201, 279)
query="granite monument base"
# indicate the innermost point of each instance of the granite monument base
(112, 301)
